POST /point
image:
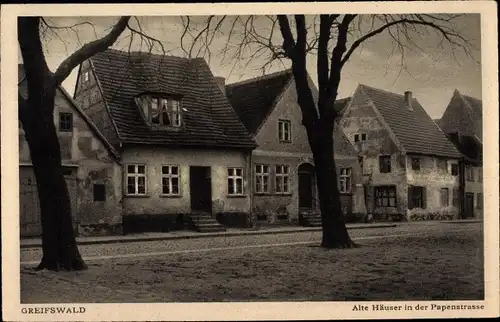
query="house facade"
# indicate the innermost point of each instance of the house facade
(283, 175)
(410, 169)
(184, 153)
(90, 167)
(462, 122)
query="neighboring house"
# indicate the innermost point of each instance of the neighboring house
(183, 150)
(90, 167)
(463, 123)
(409, 166)
(283, 175)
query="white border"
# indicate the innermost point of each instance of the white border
(256, 310)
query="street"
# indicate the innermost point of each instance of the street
(410, 261)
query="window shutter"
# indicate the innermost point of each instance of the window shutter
(424, 197)
(410, 199)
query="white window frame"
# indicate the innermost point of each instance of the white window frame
(284, 133)
(169, 176)
(172, 112)
(345, 180)
(234, 177)
(264, 176)
(282, 179)
(136, 175)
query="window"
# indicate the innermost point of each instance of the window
(86, 76)
(160, 111)
(480, 174)
(170, 180)
(445, 197)
(469, 173)
(479, 201)
(345, 180)
(284, 131)
(136, 179)
(385, 196)
(99, 192)
(454, 169)
(416, 197)
(360, 137)
(384, 162)
(282, 179)
(262, 178)
(415, 164)
(456, 197)
(235, 181)
(442, 164)
(66, 122)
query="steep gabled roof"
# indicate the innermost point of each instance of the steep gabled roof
(414, 128)
(74, 105)
(255, 98)
(476, 105)
(341, 104)
(207, 117)
(469, 146)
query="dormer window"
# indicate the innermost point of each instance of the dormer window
(161, 111)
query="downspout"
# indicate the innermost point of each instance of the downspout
(250, 188)
(461, 187)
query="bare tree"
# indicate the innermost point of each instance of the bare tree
(333, 39)
(36, 115)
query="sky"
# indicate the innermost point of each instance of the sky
(432, 73)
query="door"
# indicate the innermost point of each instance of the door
(29, 204)
(469, 205)
(200, 184)
(306, 185)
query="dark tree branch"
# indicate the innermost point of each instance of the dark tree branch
(87, 51)
(286, 32)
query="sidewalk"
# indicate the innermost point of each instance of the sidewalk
(186, 234)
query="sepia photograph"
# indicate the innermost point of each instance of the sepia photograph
(283, 157)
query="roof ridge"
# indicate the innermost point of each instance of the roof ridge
(259, 78)
(144, 53)
(383, 90)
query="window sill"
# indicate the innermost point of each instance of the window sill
(285, 141)
(170, 196)
(262, 194)
(136, 196)
(236, 196)
(287, 194)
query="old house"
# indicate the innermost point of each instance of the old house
(90, 167)
(184, 153)
(462, 122)
(283, 176)
(410, 168)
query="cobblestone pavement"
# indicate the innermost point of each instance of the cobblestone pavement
(412, 262)
(118, 249)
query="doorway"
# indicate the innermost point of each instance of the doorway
(200, 184)
(469, 205)
(306, 186)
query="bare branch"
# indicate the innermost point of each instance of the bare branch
(87, 51)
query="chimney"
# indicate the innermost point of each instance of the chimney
(221, 81)
(409, 99)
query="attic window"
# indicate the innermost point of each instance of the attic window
(360, 137)
(161, 111)
(86, 76)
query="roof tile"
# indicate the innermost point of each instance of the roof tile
(208, 119)
(414, 128)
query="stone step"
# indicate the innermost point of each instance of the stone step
(209, 229)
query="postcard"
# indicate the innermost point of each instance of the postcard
(250, 161)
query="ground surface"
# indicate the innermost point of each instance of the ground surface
(409, 262)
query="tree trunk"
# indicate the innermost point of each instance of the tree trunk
(335, 233)
(60, 251)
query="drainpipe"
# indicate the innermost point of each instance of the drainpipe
(461, 187)
(250, 187)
